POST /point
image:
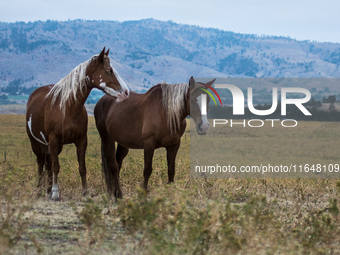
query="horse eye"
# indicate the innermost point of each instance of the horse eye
(111, 71)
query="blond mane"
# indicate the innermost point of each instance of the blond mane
(173, 100)
(69, 86)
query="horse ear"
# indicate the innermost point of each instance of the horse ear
(211, 82)
(101, 56)
(107, 53)
(192, 83)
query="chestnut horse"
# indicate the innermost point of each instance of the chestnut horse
(56, 115)
(146, 121)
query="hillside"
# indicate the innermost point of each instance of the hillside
(147, 52)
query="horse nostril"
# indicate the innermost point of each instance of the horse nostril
(126, 93)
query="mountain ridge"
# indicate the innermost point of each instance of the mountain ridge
(147, 52)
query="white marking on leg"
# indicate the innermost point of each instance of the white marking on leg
(55, 190)
(29, 123)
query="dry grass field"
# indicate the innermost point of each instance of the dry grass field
(193, 216)
(309, 150)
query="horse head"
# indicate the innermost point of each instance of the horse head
(201, 120)
(100, 74)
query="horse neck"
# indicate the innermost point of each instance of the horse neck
(186, 112)
(74, 106)
(71, 92)
(83, 95)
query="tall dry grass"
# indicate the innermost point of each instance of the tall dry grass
(193, 216)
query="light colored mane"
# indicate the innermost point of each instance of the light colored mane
(68, 86)
(174, 103)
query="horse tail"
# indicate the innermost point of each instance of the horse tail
(106, 171)
(110, 171)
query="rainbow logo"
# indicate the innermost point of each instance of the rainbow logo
(213, 90)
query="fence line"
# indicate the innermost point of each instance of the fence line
(10, 155)
(15, 154)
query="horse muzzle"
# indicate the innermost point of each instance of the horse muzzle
(124, 95)
(202, 128)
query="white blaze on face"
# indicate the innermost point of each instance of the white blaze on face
(120, 80)
(108, 90)
(121, 96)
(202, 103)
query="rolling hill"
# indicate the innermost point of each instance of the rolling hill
(147, 52)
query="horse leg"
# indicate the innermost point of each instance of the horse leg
(81, 151)
(48, 167)
(54, 152)
(148, 155)
(120, 155)
(171, 153)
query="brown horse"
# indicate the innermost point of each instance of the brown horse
(56, 115)
(146, 121)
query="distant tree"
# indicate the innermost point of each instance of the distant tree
(329, 99)
(50, 25)
(4, 100)
(313, 102)
(238, 65)
(334, 58)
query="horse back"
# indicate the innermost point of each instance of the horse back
(39, 94)
(132, 122)
(36, 102)
(119, 120)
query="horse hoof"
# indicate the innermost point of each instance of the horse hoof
(55, 199)
(118, 195)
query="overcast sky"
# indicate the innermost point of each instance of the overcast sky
(317, 20)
